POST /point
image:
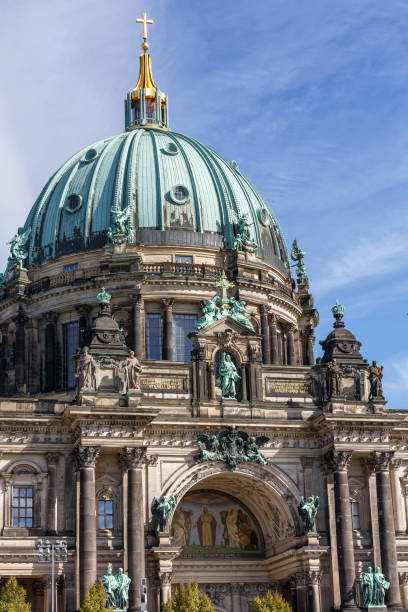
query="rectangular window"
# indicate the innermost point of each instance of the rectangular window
(183, 324)
(105, 514)
(154, 336)
(71, 267)
(71, 343)
(22, 509)
(355, 515)
(183, 259)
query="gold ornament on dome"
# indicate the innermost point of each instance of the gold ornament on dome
(145, 21)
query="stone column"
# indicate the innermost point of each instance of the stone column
(299, 583)
(69, 592)
(397, 497)
(404, 583)
(133, 459)
(367, 465)
(291, 345)
(31, 357)
(138, 326)
(38, 591)
(165, 586)
(266, 341)
(274, 340)
(314, 589)
(387, 528)
(20, 321)
(52, 460)
(404, 490)
(310, 341)
(86, 457)
(168, 348)
(47, 593)
(236, 597)
(338, 462)
(3, 361)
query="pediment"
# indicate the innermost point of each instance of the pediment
(225, 323)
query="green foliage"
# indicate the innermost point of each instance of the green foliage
(272, 602)
(189, 599)
(13, 597)
(95, 601)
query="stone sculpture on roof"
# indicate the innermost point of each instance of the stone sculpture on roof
(298, 255)
(18, 249)
(243, 241)
(231, 447)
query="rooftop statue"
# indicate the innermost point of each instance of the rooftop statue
(373, 588)
(211, 313)
(122, 229)
(307, 511)
(232, 447)
(227, 377)
(298, 255)
(376, 375)
(85, 370)
(334, 375)
(243, 241)
(18, 248)
(162, 510)
(238, 312)
(116, 589)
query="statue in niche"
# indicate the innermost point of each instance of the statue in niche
(334, 374)
(227, 377)
(375, 378)
(373, 588)
(85, 370)
(239, 312)
(211, 313)
(18, 248)
(133, 370)
(162, 510)
(307, 511)
(243, 241)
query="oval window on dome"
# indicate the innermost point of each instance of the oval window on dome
(264, 216)
(179, 194)
(170, 149)
(90, 155)
(73, 202)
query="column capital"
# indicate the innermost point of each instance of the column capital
(338, 461)
(235, 588)
(52, 458)
(273, 319)
(168, 303)
(382, 460)
(367, 465)
(152, 460)
(313, 577)
(165, 578)
(85, 456)
(133, 457)
(265, 309)
(137, 299)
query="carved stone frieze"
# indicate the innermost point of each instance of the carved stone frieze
(85, 456)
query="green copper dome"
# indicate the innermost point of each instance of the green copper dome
(179, 193)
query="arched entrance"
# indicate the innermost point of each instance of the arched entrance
(237, 533)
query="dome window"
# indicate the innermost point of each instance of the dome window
(73, 202)
(179, 194)
(90, 155)
(264, 216)
(170, 149)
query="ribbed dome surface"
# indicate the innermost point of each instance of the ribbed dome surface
(183, 193)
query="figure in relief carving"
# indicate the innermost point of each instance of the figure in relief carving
(227, 377)
(133, 370)
(85, 371)
(307, 511)
(334, 374)
(376, 375)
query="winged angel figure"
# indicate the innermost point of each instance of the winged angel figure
(162, 510)
(232, 447)
(307, 511)
(18, 248)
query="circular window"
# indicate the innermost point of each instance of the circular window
(73, 202)
(264, 216)
(90, 154)
(170, 149)
(179, 194)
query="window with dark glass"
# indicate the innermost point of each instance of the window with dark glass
(105, 514)
(154, 336)
(71, 267)
(71, 343)
(22, 509)
(150, 109)
(183, 259)
(355, 515)
(183, 324)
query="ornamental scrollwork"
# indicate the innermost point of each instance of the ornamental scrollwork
(231, 447)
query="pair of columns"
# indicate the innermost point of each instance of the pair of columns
(133, 461)
(270, 348)
(338, 462)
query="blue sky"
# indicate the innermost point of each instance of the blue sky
(310, 98)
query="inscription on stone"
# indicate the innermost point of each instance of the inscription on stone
(287, 387)
(163, 383)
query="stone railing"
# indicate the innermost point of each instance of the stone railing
(184, 269)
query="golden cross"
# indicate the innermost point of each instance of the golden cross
(145, 21)
(224, 284)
